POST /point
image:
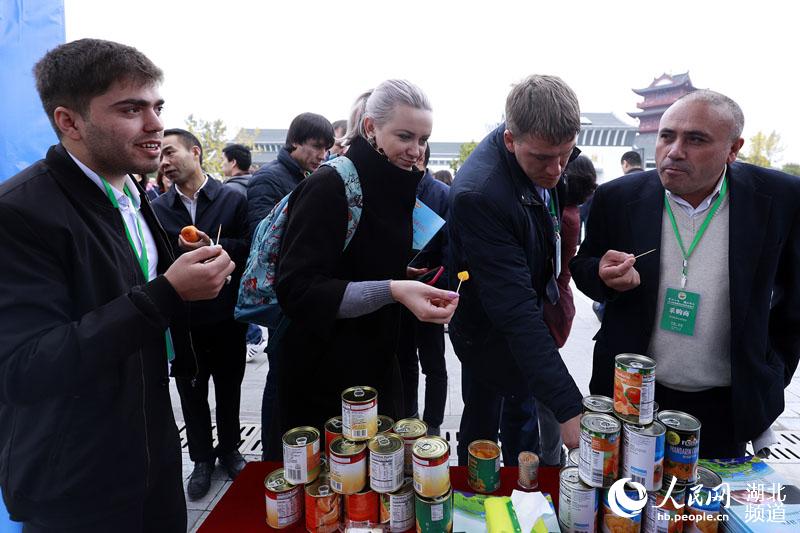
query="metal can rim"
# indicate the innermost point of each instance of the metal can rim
(438, 448)
(304, 429)
(272, 477)
(650, 430)
(391, 444)
(401, 428)
(679, 415)
(642, 363)
(336, 447)
(590, 418)
(370, 395)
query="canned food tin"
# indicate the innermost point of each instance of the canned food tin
(348, 466)
(431, 467)
(301, 455)
(284, 501)
(359, 413)
(410, 429)
(611, 522)
(578, 503)
(385, 424)
(574, 457)
(598, 404)
(667, 518)
(434, 515)
(599, 445)
(362, 507)
(655, 410)
(483, 466)
(682, 449)
(333, 430)
(323, 508)
(634, 388)
(386, 463)
(528, 470)
(397, 508)
(704, 505)
(643, 454)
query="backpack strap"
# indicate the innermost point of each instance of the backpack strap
(352, 191)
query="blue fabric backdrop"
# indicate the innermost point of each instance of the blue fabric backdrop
(28, 29)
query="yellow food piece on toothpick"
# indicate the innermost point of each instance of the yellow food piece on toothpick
(463, 275)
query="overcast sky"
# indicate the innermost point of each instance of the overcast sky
(257, 64)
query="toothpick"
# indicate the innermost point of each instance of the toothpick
(648, 252)
(219, 232)
(459, 285)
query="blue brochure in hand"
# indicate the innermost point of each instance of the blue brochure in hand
(426, 223)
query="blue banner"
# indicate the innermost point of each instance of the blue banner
(28, 29)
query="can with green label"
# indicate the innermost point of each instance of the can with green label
(434, 515)
(483, 466)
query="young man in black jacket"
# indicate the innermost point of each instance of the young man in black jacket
(503, 229)
(219, 213)
(93, 307)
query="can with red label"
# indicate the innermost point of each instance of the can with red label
(431, 467)
(284, 501)
(323, 508)
(333, 430)
(362, 507)
(634, 388)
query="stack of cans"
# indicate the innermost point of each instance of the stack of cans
(433, 493)
(360, 476)
(628, 437)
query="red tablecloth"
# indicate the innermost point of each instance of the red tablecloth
(243, 509)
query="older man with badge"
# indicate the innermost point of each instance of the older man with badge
(718, 305)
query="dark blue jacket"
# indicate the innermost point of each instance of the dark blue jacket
(501, 233)
(269, 185)
(434, 194)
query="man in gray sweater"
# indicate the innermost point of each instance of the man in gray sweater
(718, 304)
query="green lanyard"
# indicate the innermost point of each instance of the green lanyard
(700, 232)
(141, 257)
(552, 207)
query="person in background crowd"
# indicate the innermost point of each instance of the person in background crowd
(339, 129)
(342, 319)
(631, 161)
(92, 304)
(504, 213)
(218, 341)
(144, 182)
(308, 140)
(581, 180)
(717, 305)
(425, 338)
(444, 176)
(163, 183)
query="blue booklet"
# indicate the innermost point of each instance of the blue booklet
(426, 223)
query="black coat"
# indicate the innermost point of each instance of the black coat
(217, 206)
(85, 413)
(321, 355)
(764, 263)
(269, 185)
(501, 233)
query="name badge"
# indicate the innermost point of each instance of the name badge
(680, 311)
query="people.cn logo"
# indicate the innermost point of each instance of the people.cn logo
(621, 503)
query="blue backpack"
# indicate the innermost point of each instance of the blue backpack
(258, 302)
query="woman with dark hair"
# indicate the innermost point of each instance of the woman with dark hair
(343, 321)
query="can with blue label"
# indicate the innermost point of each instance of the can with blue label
(682, 449)
(643, 454)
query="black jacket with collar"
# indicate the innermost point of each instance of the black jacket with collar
(764, 264)
(217, 205)
(321, 353)
(269, 185)
(83, 366)
(502, 234)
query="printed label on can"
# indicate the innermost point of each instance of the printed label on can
(643, 458)
(611, 522)
(323, 510)
(284, 508)
(681, 455)
(483, 466)
(348, 474)
(386, 470)
(634, 391)
(360, 421)
(664, 519)
(301, 462)
(362, 507)
(431, 479)
(599, 459)
(397, 510)
(434, 515)
(578, 504)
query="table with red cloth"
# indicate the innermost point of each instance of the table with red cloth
(243, 508)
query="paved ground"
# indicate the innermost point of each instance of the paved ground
(577, 354)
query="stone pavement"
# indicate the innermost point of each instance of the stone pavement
(577, 354)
